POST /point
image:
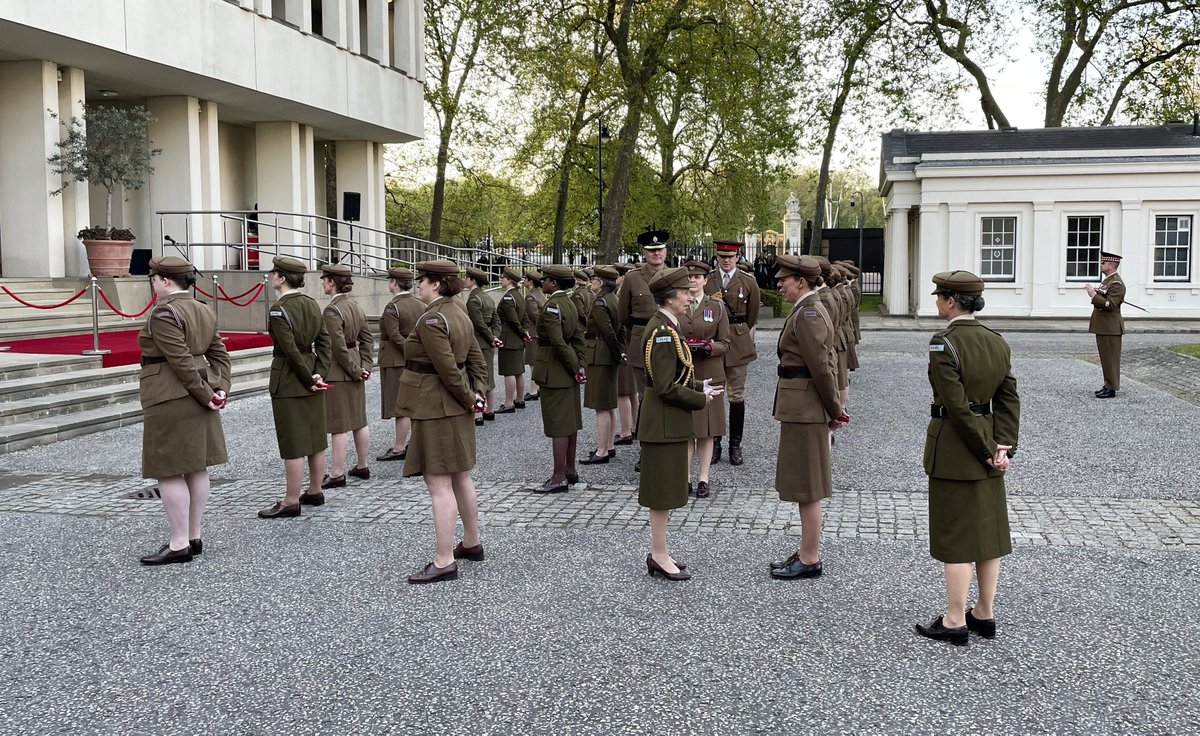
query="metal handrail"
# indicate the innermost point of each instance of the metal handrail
(359, 253)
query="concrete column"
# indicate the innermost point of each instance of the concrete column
(263, 7)
(76, 214)
(176, 183)
(403, 21)
(1046, 270)
(354, 40)
(895, 262)
(210, 186)
(1130, 244)
(299, 13)
(246, 4)
(308, 185)
(376, 42)
(333, 21)
(31, 243)
(380, 203)
(418, 41)
(938, 248)
(358, 170)
(279, 187)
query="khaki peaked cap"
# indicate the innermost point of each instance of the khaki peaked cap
(400, 274)
(606, 272)
(440, 267)
(695, 267)
(171, 266)
(580, 275)
(669, 278)
(560, 273)
(624, 268)
(481, 277)
(805, 266)
(286, 264)
(957, 282)
(511, 275)
(335, 269)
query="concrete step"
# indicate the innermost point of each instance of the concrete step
(14, 366)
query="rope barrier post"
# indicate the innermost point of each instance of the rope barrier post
(267, 303)
(95, 324)
(217, 301)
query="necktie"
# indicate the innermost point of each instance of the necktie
(725, 279)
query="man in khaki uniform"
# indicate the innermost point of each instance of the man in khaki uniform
(741, 295)
(635, 303)
(486, 323)
(1106, 323)
(559, 370)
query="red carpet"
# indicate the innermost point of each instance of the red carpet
(123, 345)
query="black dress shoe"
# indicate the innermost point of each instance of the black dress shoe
(279, 511)
(361, 473)
(531, 397)
(196, 545)
(797, 569)
(652, 568)
(612, 453)
(735, 455)
(1107, 393)
(330, 482)
(626, 440)
(936, 630)
(431, 573)
(478, 420)
(518, 404)
(468, 553)
(572, 479)
(489, 416)
(985, 627)
(594, 459)
(312, 499)
(552, 486)
(780, 564)
(165, 556)
(702, 489)
(1097, 393)
(690, 491)
(716, 456)
(506, 410)
(391, 454)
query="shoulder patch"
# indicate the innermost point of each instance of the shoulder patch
(599, 303)
(165, 314)
(432, 321)
(662, 338)
(936, 347)
(552, 309)
(507, 298)
(276, 312)
(810, 313)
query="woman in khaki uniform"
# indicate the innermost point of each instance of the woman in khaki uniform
(514, 336)
(559, 369)
(665, 426)
(627, 389)
(442, 387)
(705, 327)
(482, 311)
(971, 436)
(603, 346)
(346, 399)
(534, 301)
(182, 386)
(807, 406)
(300, 360)
(395, 324)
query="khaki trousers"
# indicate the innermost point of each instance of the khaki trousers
(1109, 347)
(735, 382)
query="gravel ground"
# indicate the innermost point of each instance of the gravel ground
(306, 629)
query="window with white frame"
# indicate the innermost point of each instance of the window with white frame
(1172, 248)
(1085, 238)
(998, 248)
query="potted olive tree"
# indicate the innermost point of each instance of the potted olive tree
(110, 147)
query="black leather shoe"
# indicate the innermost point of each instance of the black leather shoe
(612, 454)
(431, 573)
(468, 553)
(735, 455)
(518, 404)
(478, 420)
(552, 486)
(489, 416)
(391, 454)
(196, 545)
(505, 410)
(626, 440)
(279, 511)
(531, 397)
(797, 569)
(702, 489)
(780, 564)
(652, 568)
(1097, 393)
(338, 482)
(935, 630)
(361, 473)
(985, 627)
(572, 479)
(690, 491)
(312, 499)
(1107, 393)
(716, 456)
(166, 556)
(594, 459)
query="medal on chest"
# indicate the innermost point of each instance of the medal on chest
(708, 315)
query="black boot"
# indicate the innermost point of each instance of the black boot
(737, 422)
(716, 458)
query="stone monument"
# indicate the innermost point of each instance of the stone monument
(792, 225)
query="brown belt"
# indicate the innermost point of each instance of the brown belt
(937, 411)
(153, 360)
(736, 320)
(351, 344)
(304, 349)
(417, 366)
(793, 371)
(591, 335)
(641, 321)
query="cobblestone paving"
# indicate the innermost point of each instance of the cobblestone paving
(1164, 369)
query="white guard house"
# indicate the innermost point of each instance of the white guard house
(1030, 211)
(249, 98)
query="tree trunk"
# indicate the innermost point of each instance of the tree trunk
(618, 188)
(564, 174)
(439, 183)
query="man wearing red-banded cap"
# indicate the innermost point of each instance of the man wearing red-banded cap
(741, 295)
(1106, 323)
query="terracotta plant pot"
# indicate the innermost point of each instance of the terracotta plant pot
(109, 257)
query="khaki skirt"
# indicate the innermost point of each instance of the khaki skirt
(709, 421)
(345, 406)
(300, 425)
(530, 352)
(562, 416)
(441, 446)
(662, 484)
(489, 360)
(843, 372)
(968, 520)
(600, 391)
(512, 362)
(626, 382)
(803, 472)
(852, 357)
(181, 436)
(389, 388)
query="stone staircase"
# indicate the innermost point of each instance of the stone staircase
(46, 398)
(18, 321)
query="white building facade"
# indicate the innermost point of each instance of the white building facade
(247, 96)
(1030, 212)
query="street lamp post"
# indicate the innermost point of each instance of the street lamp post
(601, 136)
(857, 199)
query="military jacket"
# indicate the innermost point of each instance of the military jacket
(806, 343)
(1106, 307)
(604, 340)
(484, 320)
(395, 323)
(534, 301)
(514, 322)
(444, 340)
(854, 315)
(970, 364)
(351, 341)
(183, 332)
(710, 321)
(635, 307)
(560, 344)
(672, 393)
(742, 300)
(581, 297)
(302, 345)
(833, 306)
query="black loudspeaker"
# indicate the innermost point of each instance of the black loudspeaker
(350, 206)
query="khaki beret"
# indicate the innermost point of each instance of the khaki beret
(580, 275)
(669, 278)
(510, 274)
(171, 266)
(284, 264)
(624, 268)
(606, 272)
(787, 265)
(957, 282)
(400, 274)
(335, 269)
(697, 267)
(438, 267)
(480, 276)
(560, 273)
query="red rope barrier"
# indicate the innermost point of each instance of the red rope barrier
(248, 302)
(122, 314)
(202, 291)
(47, 306)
